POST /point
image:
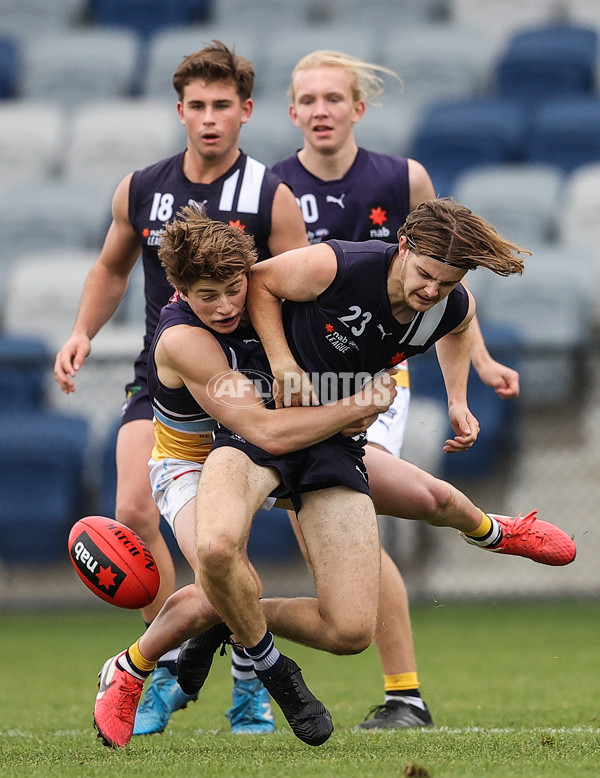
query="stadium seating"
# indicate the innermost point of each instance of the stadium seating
(578, 221)
(111, 138)
(41, 283)
(278, 15)
(80, 65)
(66, 214)
(26, 125)
(42, 491)
(272, 537)
(583, 12)
(167, 48)
(146, 17)
(42, 298)
(270, 135)
(499, 419)
(423, 57)
(32, 18)
(454, 136)
(523, 201)
(548, 62)
(564, 132)
(385, 14)
(501, 18)
(389, 128)
(10, 56)
(283, 52)
(23, 364)
(552, 311)
(426, 431)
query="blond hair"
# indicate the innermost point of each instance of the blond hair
(194, 247)
(451, 233)
(366, 78)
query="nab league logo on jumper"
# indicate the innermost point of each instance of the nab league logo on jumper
(96, 566)
(338, 341)
(378, 216)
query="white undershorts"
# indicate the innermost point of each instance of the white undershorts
(388, 429)
(175, 482)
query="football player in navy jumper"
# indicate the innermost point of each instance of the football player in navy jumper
(352, 193)
(327, 482)
(214, 88)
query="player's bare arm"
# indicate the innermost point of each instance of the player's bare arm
(288, 230)
(104, 288)
(300, 275)
(503, 379)
(454, 356)
(420, 184)
(191, 356)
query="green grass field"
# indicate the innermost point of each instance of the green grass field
(514, 690)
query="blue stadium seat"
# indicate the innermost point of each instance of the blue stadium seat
(548, 62)
(272, 538)
(503, 17)
(42, 487)
(68, 214)
(146, 17)
(498, 419)
(564, 132)
(24, 363)
(452, 137)
(522, 201)
(10, 62)
(553, 313)
(81, 64)
(36, 18)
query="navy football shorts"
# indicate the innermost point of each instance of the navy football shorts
(337, 461)
(137, 403)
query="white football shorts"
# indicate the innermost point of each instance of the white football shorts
(388, 429)
(175, 482)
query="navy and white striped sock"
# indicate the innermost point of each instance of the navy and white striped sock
(265, 657)
(242, 667)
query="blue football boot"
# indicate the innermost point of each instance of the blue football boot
(163, 697)
(251, 713)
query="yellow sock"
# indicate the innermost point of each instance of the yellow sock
(483, 529)
(401, 682)
(139, 660)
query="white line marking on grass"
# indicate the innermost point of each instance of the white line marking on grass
(417, 731)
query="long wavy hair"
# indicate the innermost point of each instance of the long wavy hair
(450, 232)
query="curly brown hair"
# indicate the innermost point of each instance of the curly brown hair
(216, 62)
(194, 247)
(450, 232)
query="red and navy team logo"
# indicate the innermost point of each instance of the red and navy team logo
(378, 216)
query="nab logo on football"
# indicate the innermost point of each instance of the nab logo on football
(113, 562)
(92, 563)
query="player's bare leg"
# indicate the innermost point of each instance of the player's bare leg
(402, 706)
(342, 540)
(135, 506)
(394, 642)
(403, 490)
(232, 489)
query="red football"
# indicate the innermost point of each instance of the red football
(113, 562)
